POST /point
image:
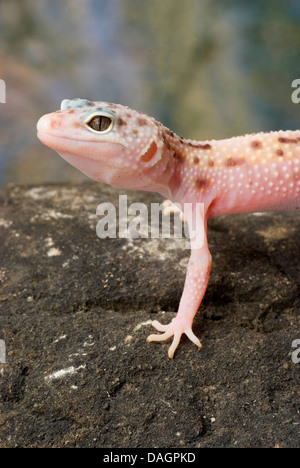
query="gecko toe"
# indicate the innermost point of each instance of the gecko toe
(189, 333)
(174, 345)
(159, 326)
(162, 337)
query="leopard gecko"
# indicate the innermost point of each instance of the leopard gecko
(116, 145)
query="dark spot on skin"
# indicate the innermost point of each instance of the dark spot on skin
(135, 131)
(232, 162)
(200, 146)
(142, 122)
(121, 122)
(211, 163)
(179, 157)
(167, 144)
(196, 160)
(170, 133)
(250, 182)
(76, 125)
(90, 104)
(128, 115)
(256, 144)
(279, 152)
(201, 184)
(71, 111)
(287, 140)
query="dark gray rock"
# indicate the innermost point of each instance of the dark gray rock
(74, 312)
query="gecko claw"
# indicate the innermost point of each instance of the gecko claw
(176, 328)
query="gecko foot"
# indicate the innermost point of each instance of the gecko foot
(176, 328)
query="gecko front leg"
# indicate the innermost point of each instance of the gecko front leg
(194, 289)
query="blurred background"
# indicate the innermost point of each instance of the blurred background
(205, 68)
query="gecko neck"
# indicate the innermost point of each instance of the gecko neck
(185, 158)
(162, 178)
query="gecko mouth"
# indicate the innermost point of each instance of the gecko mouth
(80, 147)
(43, 136)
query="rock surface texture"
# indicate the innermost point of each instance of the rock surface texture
(75, 312)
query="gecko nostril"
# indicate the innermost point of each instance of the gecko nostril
(54, 124)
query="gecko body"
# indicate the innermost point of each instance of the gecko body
(121, 147)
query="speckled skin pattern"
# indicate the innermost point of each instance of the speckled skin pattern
(129, 149)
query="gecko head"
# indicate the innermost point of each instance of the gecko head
(109, 143)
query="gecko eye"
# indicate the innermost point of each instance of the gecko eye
(101, 123)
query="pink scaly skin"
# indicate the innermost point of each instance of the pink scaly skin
(121, 147)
